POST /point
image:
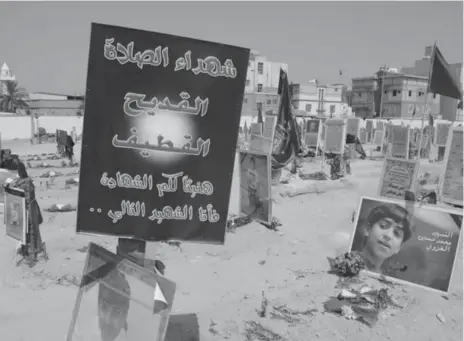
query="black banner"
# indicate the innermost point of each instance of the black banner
(160, 135)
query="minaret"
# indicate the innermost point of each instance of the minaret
(5, 75)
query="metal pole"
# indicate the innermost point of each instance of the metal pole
(381, 92)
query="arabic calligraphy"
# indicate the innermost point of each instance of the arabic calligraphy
(208, 214)
(170, 186)
(154, 57)
(435, 248)
(124, 180)
(445, 245)
(168, 213)
(202, 146)
(209, 65)
(132, 209)
(150, 107)
(204, 188)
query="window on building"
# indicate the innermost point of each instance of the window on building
(332, 109)
(434, 96)
(268, 101)
(409, 93)
(385, 92)
(420, 93)
(308, 107)
(260, 68)
(399, 92)
(245, 100)
(394, 93)
(274, 101)
(247, 82)
(260, 88)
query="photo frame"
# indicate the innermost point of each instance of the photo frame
(136, 300)
(423, 255)
(255, 186)
(15, 214)
(397, 176)
(451, 180)
(333, 143)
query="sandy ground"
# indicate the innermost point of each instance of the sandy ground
(221, 286)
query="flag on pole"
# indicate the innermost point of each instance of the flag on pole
(414, 112)
(442, 81)
(286, 144)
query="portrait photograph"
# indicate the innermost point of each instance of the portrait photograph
(255, 186)
(15, 214)
(409, 244)
(119, 300)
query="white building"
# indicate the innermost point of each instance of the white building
(320, 100)
(5, 75)
(263, 75)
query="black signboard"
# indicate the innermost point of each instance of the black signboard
(160, 135)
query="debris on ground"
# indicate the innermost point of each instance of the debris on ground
(61, 208)
(441, 318)
(362, 305)
(50, 174)
(289, 315)
(236, 221)
(264, 302)
(72, 181)
(275, 223)
(254, 331)
(320, 176)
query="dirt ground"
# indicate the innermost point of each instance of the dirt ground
(221, 286)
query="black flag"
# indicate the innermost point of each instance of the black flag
(286, 144)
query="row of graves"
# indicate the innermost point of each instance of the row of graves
(427, 255)
(157, 165)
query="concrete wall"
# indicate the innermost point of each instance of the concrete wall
(19, 127)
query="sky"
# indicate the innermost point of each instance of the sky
(46, 44)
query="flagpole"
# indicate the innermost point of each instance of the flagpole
(381, 91)
(425, 101)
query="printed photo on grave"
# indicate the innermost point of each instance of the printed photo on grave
(312, 133)
(386, 140)
(397, 177)
(441, 134)
(335, 136)
(120, 300)
(369, 130)
(416, 245)
(451, 180)
(260, 144)
(399, 142)
(255, 186)
(378, 137)
(15, 213)
(268, 126)
(353, 124)
(363, 136)
(160, 130)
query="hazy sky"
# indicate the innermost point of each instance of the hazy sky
(46, 43)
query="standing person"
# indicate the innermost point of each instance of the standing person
(387, 229)
(34, 245)
(70, 148)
